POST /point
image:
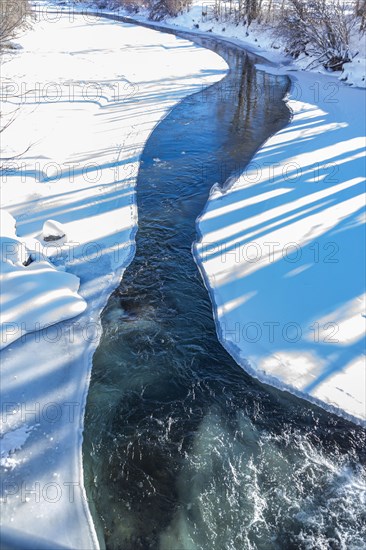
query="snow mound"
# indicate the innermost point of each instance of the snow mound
(34, 293)
(53, 231)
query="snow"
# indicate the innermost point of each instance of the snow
(34, 293)
(83, 108)
(282, 252)
(263, 38)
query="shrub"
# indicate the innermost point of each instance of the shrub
(159, 9)
(131, 6)
(321, 29)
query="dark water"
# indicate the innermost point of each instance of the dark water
(182, 449)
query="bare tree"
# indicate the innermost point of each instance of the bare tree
(13, 16)
(360, 10)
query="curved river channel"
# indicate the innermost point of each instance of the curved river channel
(182, 449)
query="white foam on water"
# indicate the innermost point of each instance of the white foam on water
(254, 489)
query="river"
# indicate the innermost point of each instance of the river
(182, 449)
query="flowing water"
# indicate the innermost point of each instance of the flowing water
(182, 449)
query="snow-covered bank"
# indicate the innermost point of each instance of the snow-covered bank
(34, 292)
(261, 38)
(264, 39)
(282, 251)
(88, 94)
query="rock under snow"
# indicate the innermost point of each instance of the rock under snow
(34, 293)
(53, 231)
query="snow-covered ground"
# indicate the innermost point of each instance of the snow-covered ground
(86, 93)
(283, 251)
(264, 39)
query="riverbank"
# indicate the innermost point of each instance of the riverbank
(281, 250)
(83, 114)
